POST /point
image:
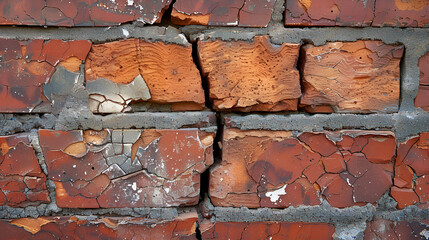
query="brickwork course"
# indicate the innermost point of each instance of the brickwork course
(214, 119)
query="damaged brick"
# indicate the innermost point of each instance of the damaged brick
(126, 168)
(279, 169)
(422, 98)
(385, 229)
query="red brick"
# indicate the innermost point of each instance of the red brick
(28, 67)
(412, 172)
(278, 169)
(136, 70)
(387, 230)
(244, 13)
(266, 230)
(345, 77)
(181, 227)
(126, 168)
(400, 13)
(422, 98)
(329, 13)
(80, 12)
(22, 182)
(255, 76)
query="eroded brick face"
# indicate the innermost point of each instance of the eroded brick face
(123, 72)
(345, 77)
(422, 98)
(80, 12)
(244, 13)
(126, 168)
(385, 229)
(329, 13)
(411, 182)
(181, 227)
(399, 13)
(22, 182)
(278, 169)
(251, 76)
(36, 73)
(266, 230)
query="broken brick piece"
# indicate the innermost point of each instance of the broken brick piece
(22, 182)
(279, 169)
(80, 12)
(32, 75)
(266, 230)
(400, 13)
(139, 71)
(385, 229)
(412, 172)
(243, 13)
(181, 227)
(422, 98)
(345, 76)
(251, 76)
(126, 168)
(329, 13)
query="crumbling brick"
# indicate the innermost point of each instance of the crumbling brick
(422, 98)
(385, 229)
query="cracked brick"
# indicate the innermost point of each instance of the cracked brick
(279, 169)
(139, 71)
(402, 230)
(37, 75)
(126, 168)
(422, 98)
(243, 13)
(80, 12)
(345, 77)
(329, 13)
(266, 230)
(66, 227)
(399, 13)
(22, 182)
(411, 182)
(251, 76)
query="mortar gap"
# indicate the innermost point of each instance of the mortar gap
(204, 80)
(402, 67)
(300, 67)
(198, 232)
(166, 16)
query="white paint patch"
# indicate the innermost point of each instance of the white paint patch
(134, 186)
(275, 195)
(130, 2)
(125, 32)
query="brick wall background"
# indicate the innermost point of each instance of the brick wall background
(210, 119)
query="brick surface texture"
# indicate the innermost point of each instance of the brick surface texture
(214, 119)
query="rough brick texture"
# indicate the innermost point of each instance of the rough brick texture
(22, 182)
(385, 229)
(411, 183)
(126, 168)
(80, 12)
(422, 99)
(395, 13)
(136, 70)
(182, 227)
(267, 230)
(243, 13)
(345, 77)
(255, 76)
(35, 73)
(278, 169)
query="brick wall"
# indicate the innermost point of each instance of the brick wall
(210, 119)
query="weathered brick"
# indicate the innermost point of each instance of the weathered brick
(411, 182)
(121, 72)
(266, 230)
(126, 168)
(37, 72)
(329, 13)
(244, 13)
(385, 229)
(80, 12)
(22, 182)
(181, 227)
(251, 76)
(422, 98)
(345, 77)
(399, 13)
(278, 169)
